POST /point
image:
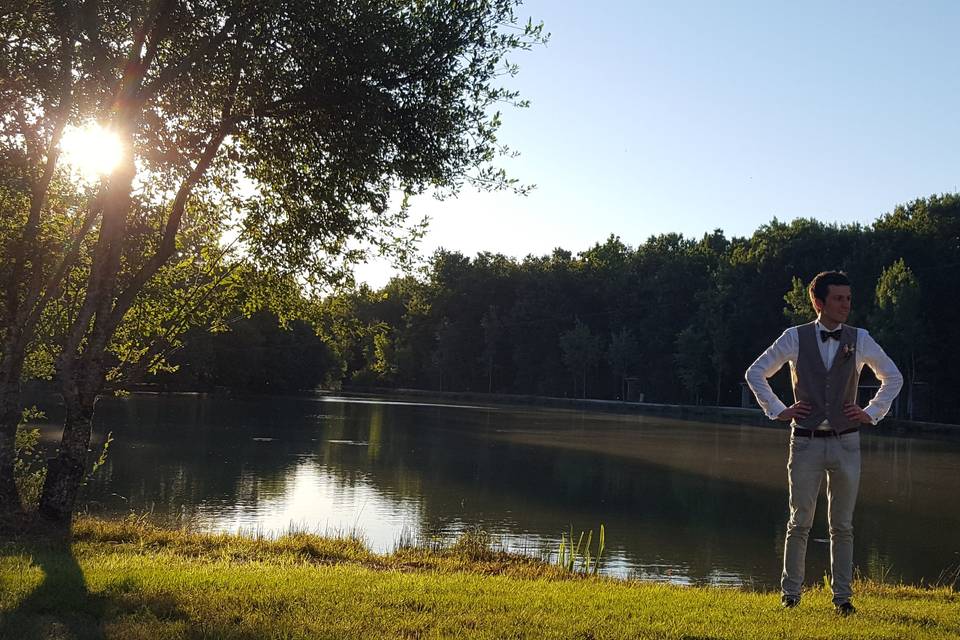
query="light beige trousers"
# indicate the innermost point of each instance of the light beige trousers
(811, 459)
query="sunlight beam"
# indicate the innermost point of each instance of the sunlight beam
(91, 151)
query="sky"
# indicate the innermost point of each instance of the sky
(657, 117)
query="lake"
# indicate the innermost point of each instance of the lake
(682, 501)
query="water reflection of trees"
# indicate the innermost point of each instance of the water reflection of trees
(460, 470)
(171, 451)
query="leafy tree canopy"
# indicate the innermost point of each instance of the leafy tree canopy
(284, 134)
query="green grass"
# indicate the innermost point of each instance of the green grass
(131, 580)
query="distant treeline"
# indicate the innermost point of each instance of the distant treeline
(681, 318)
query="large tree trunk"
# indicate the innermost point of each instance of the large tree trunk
(11, 366)
(9, 420)
(65, 471)
(80, 363)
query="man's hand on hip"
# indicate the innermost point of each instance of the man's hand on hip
(855, 413)
(798, 410)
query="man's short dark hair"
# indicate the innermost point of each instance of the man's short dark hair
(820, 285)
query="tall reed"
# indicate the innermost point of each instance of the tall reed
(579, 557)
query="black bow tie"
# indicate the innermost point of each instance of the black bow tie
(826, 335)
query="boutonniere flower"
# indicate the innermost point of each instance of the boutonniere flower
(848, 350)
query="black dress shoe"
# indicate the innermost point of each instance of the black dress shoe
(845, 609)
(789, 602)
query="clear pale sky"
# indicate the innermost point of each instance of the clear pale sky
(657, 117)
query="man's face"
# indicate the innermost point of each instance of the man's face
(836, 308)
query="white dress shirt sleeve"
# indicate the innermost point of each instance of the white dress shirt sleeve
(891, 380)
(784, 349)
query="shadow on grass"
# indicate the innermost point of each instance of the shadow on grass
(61, 607)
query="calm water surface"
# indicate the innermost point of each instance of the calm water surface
(681, 501)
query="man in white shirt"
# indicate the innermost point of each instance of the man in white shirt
(825, 358)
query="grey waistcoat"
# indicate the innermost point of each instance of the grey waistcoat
(826, 391)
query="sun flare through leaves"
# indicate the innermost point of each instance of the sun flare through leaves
(91, 151)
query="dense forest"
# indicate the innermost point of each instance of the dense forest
(681, 318)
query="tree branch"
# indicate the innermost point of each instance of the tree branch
(39, 299)
(162, 345)
(135, 68)
(168, 242)
(38, 195)
(172, 72)
(158, 32)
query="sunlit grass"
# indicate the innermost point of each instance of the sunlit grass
(471, 551)
(129, 579)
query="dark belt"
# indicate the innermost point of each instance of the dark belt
(814, 433)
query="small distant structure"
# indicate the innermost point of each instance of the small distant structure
(899, 409)
(633, 390)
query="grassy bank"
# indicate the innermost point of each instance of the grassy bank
(130, 580)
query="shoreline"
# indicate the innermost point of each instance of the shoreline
(700, 413)
(891, 427)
